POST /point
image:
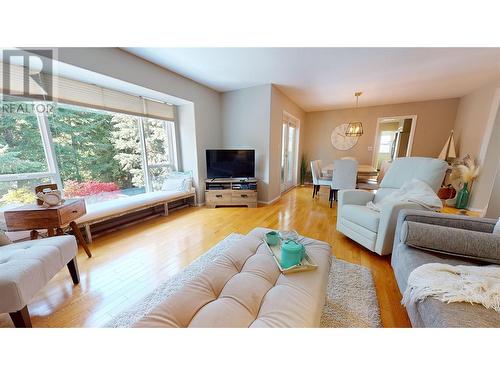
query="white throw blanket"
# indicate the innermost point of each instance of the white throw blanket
(448, 283)
(414, 191)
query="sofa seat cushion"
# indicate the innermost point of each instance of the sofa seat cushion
(433, 313)
(361, 215)
(26, 267)
(436, 314)
(244, 288)
(113, 207)
(405, 259)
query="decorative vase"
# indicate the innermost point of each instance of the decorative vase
(272, 238)
(462, 197)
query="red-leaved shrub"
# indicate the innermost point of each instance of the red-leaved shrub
(83, 189)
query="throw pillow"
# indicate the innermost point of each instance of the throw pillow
(178, 181)
(496, 230)
(4, 240)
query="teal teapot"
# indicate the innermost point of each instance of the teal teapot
(292, 253)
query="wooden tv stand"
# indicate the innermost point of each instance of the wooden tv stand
(231, 192)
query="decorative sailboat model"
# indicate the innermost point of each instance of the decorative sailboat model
(448, 192)
(448, 152)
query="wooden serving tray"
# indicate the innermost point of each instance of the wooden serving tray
(306, 265)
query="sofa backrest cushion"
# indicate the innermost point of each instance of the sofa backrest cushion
(453, 241)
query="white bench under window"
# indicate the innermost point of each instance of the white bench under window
(108, 210)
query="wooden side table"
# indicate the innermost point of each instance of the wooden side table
(456, 211)
(53, 219)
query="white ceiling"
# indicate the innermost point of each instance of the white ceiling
(326, 78)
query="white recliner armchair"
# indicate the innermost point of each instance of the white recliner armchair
(375, 230)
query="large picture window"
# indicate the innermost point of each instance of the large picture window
(95, 154)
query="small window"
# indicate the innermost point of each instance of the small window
(386, 139)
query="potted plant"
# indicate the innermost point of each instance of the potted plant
(303, 169)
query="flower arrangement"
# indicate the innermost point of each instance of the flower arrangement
(464, 171)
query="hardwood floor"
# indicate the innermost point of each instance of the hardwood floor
(128, 264)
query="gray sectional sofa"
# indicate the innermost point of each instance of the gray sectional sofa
(444, 245)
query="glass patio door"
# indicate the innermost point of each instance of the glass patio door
(289, 153)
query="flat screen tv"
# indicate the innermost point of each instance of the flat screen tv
(230, 163)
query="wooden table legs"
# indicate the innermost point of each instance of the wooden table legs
(78, 235)
(80, 238)
(33, 235)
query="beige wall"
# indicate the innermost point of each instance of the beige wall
(477, 132)
(494, 204)
(280, 103)
(483, 188)
(253, 118)
(473, 113)
(245, 124)
(435, 120)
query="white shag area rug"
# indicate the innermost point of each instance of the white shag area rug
(351, 297)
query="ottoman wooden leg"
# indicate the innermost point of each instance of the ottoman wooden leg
(21, 318)
(73, 271)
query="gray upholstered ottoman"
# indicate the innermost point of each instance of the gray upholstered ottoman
(244, 288)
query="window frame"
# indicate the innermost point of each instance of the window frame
(53, 172)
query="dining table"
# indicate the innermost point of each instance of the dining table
(364, 170)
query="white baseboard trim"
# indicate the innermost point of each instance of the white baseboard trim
(271, 201)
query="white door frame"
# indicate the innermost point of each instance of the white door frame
(396, 118)
(289, 116)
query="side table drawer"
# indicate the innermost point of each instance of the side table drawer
(72, 211)
(28, 220)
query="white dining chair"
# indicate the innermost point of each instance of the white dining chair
(344, 176)
(317, 177)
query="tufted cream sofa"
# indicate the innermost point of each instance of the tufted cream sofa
(244, 288)
(26, 267)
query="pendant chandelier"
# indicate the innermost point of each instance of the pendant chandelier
(355, 128)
